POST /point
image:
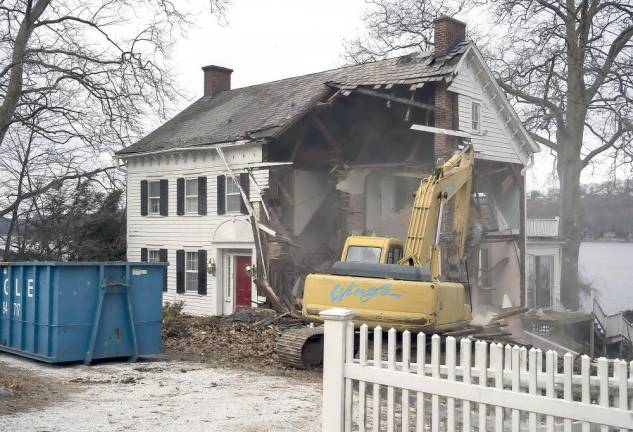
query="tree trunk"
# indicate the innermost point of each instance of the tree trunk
(571, 216)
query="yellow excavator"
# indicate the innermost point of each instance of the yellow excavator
(390, 284)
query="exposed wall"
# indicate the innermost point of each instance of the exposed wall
(189, 232)
(388, 203)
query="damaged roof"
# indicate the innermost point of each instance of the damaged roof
(263, 111)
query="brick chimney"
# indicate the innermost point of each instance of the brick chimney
(448, 32)
(216, 79)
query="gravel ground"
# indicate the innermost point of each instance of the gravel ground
(159, 395)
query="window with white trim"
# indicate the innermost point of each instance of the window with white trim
(233, 196)
(191, 271)
(153, 197)
(476, 116)
(191, 196)
(153, 255)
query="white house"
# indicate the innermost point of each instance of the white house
(318, 157)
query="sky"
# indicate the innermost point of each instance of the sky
(268, 40)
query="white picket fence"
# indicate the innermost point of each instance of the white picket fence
(504, 388)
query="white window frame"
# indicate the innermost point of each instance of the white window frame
(151, 197)
(475, 117)
(153, 255)
(189, 271)
(188, 195)
(230, 180)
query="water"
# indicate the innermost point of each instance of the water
(608, 266)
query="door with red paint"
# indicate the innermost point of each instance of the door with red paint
(242, 281)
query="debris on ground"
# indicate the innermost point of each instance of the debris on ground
(156, 395)
(245, 339)
(21, 391)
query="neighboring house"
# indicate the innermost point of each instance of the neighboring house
(321, 156)
(544, 248)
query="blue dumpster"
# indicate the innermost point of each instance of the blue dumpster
(67, 312)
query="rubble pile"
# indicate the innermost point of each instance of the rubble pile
(244, 339)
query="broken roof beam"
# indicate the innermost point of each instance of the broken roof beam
(347, 89)
(395, 99)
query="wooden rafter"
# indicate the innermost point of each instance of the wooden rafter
(395, 99)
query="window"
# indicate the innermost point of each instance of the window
(476, 115)
(540, 275)
(153, 255)
(191, 196)
(394, 255)
(363, 254)
(233, 197)
(154, 197)
(191, 271)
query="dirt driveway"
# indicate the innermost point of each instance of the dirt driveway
(162, 395)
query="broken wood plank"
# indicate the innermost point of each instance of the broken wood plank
(509, 312)
(492, 335)
(440, 131)
(464, 332)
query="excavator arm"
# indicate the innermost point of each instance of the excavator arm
(452, 181)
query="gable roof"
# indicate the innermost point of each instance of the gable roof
(264, 110)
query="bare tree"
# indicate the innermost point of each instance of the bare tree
(77, 78)
(567, 65)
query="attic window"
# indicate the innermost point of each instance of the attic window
(476, 116)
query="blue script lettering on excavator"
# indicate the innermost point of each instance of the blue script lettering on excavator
(339, 292)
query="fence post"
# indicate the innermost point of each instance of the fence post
(336, 323)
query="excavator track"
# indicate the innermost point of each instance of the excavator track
(301, 348)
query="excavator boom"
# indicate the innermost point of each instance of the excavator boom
(452, 180)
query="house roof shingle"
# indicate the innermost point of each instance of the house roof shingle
(263, 110)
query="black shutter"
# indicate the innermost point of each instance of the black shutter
(221, 196)
(162, 255)
(164, 197)
(143, 197)
(143, 254)
(202, 195)
(246, 187)
(202, 272)
(180, 271)
(180, 196)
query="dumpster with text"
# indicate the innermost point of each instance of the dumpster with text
(67, 312)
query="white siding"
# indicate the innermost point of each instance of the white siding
(493, 140)
(189, 232)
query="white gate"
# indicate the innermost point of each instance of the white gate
(492, 388)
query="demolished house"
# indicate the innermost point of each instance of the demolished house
(267, 181)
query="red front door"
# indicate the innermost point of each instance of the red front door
(242, 281)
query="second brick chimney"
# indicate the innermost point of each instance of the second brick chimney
(216, 79)
(448, 32)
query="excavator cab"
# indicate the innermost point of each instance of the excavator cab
(383, 250)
